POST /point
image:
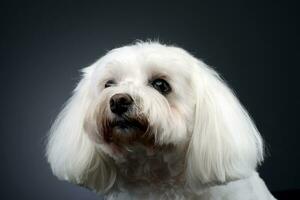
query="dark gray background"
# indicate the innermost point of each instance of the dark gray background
(253, 44)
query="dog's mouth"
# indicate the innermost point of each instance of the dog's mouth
(128, 128)
(127, 131)
(128, 125)
(126, 134)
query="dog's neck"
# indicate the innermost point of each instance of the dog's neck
(151, 171)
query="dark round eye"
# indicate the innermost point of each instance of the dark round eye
(109, 83)
(161, 85)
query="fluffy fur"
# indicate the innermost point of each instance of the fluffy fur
(196, 142)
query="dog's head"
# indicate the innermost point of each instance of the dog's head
(159, 97)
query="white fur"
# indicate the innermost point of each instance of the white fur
(216, 144)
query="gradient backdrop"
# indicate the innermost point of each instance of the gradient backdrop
(45, 43)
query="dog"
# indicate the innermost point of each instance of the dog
(151, 121)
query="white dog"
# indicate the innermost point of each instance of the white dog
(150, 121)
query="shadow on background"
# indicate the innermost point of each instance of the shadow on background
(287, 195)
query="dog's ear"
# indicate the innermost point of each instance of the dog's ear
(70, 152)
(225, 145)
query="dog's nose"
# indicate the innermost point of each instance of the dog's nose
(120, 103)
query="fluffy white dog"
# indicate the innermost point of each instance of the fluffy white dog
(150, 121)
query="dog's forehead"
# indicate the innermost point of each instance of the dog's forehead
(144, 61)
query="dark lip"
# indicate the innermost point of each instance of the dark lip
(127, 124)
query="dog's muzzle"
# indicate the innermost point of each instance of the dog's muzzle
(127, 124)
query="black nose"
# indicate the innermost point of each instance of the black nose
(120, 103)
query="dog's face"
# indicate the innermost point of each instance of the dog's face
(158, 97)
(141, 96)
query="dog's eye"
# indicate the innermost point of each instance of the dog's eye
(109, 83)
(161, 85)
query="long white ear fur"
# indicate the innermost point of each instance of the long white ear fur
(71, 154)
(225, 144)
